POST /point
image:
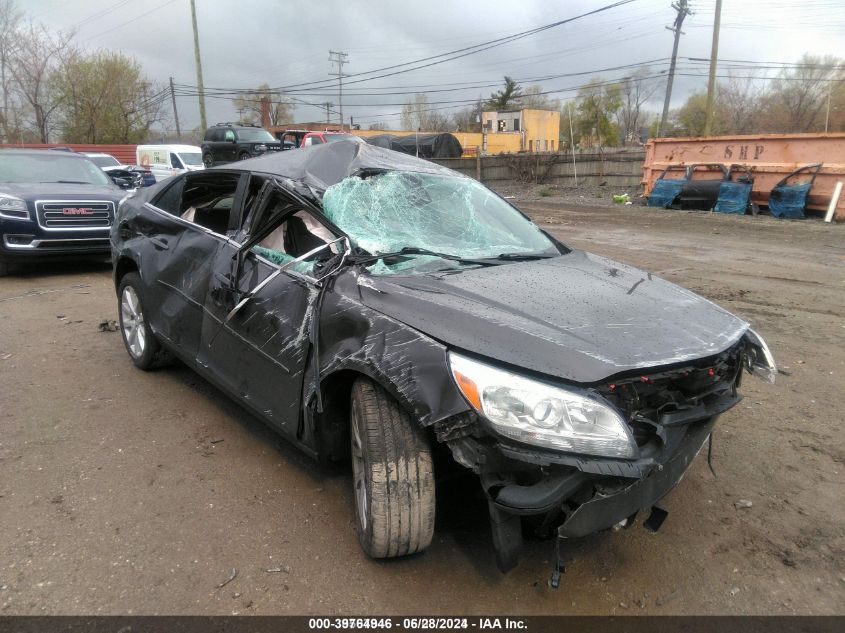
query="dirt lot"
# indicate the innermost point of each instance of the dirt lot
(129, 492)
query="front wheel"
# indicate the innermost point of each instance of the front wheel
(142, 345)
(208, 160)
(244, 156)
(393, 475)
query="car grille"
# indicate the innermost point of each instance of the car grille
(76, 214)
(645, 398)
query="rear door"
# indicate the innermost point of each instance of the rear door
(259, 350)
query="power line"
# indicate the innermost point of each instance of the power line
(99, 14)
(460, 52)
(122, 24)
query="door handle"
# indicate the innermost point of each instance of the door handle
(225, 279)
(159, 243)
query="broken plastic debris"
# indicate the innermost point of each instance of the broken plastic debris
(232, 575)
(276, 570)
(742, 503)
(108, 326)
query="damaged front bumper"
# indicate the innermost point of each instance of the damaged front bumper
(576, 502)
(573, 495)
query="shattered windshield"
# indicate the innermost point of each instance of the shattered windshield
(453, 216)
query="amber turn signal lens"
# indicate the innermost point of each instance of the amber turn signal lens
(469, 389)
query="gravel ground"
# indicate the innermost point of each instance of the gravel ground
(126, 492)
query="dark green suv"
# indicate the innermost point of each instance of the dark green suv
(227, 142)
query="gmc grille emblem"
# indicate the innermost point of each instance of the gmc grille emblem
(78, 211)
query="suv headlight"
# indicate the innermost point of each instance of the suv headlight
(12, 207)
(533, 412)
(260, 148)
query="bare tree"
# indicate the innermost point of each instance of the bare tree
(797, 100)
(10, 20)
(418, 115)
(597, 105)
(739, 102)
(635, 91)
(532, 98)
(248, 106)
(467, 119)
(33, 62)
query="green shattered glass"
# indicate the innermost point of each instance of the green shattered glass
(451, 215)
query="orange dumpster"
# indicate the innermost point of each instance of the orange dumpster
(769, 158)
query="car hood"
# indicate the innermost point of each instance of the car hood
(579, 317)
(61, 191)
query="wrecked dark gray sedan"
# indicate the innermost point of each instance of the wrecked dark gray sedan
(366, 303)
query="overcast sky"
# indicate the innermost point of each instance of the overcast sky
(248, 42)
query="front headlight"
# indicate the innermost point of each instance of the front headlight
(260, 148)
(533, 412)
(758, 357)
(12, 207)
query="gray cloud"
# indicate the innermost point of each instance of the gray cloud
(248, 42)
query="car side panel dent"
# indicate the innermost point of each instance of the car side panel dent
(411, 366)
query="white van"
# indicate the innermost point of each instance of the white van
(168, 160)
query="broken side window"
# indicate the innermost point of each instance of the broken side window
(291, 233)
(457, 216)
(208, 201)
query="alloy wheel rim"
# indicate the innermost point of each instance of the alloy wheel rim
(132, 322)
(358, 471)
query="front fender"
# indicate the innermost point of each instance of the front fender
(411, 366)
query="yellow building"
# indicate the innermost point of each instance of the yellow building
(537, 130)
(505, 132)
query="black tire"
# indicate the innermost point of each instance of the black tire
(208, 160)
(244, 156)
(4, 268)
(149, 354)
(393, 475)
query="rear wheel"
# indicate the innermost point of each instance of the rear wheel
(393, 475)
(142, 345)
(4, 268)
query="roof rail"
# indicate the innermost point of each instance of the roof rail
(231, 124)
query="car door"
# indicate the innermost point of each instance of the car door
(186, 227)
(257, 317)
(230, 146)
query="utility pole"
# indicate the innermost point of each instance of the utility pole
(683, 10)
(711, 82)
(339, 58)
(830, 81)
(175, 113)
(327, 105)
(200, 89)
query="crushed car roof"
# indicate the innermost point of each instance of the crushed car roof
(322, 166)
